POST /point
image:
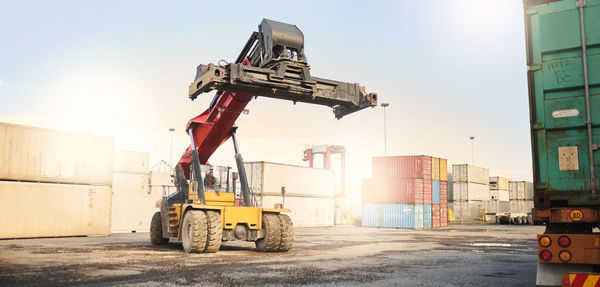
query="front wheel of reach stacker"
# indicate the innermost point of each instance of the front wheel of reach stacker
(287, 233)
(156, 230)
(194, 231)
(272, 230)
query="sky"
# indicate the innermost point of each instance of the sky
(450, 70)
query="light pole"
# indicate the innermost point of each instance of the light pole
(384, 105)
(171, 161)
(472, 150)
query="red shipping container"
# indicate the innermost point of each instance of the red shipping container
(402, 167)
(408, 191)
(435, 222)
(443, 192)
(427, 191)
(435, 215)
(443, 215)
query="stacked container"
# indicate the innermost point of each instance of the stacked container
(439, 198)
(309, 192)
(471, 191)
(499, 188)
(131, 187)
(521, 196)
(54, 183)
(400, 195)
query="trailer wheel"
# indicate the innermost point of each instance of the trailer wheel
(214, 235)
(272, 239)
(287, 233)
(156, 230)
(193, 231)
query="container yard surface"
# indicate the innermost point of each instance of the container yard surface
(457, 255)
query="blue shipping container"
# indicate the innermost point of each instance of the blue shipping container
(399, 216)
(371, 215)
(402, 216)
(427, 215)
(435, 192)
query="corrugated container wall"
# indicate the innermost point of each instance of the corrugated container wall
(557, 95)
(435, 168)
(470, 173)
(395, 190)
(402, 167)
(305, 211)
(42, 155)
(498, 183)
(372, 215)
(402, 216)
(267, 178)
(427, 215)
(49, 210)
(435, 192)
(131, 161)
(470, 191)
(443, 169)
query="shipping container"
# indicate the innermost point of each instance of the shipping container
(403, 216)
(443, 169)
(42, 155)
(268, 178)
(443, 192)
(49, 210)
(427, 191)
(470, 191)
(395, 190)
(305, 211)
(435, 191)
(443, 215)
(500, 195)
(499, 183)
(133, 202)
(402, 167)
(160, 178)
(521, 190)
(495, 206)
(470, 173)
(426, 215)
(435, 168)
(131, 162)
(372, 215)
(564, 153)
(435, 215)
(467, 211)
(520, 206)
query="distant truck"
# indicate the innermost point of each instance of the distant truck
(517, 218)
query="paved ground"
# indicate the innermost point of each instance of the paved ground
(468, 255)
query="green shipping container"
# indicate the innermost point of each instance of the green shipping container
(564, 142)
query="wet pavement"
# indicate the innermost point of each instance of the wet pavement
(459, 255)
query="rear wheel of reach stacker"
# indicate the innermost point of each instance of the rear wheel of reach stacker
(194, 231)
(156, 230)
(272, 228)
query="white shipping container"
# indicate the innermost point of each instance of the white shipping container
(521, 206)
(160, 178)
(499, 183)
(521, 190)
(470, 191)
(134, 202)
(48, 210)
(131, 161)
(501, 195)
(42, 155)
(267, 178)
(305, 211)
(470, 173)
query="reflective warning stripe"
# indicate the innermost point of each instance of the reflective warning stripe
(584, 280)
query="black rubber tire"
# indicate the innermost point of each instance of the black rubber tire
(287, 233)
(214, 235)
(193, 231)
(272, 239)
(156, 230)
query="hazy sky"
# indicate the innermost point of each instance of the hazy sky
(449, 70)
